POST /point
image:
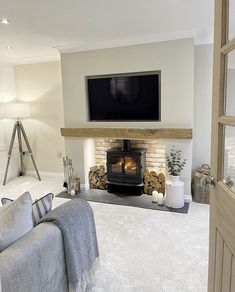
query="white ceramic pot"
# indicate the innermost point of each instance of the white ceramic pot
(174, 197)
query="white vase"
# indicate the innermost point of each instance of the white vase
(174, 197)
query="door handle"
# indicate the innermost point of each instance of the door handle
(229, 182)
(212, 181)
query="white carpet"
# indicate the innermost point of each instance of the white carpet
(140, 250)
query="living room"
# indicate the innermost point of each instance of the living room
(152, 225)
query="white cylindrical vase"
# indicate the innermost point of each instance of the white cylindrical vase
(174, 192)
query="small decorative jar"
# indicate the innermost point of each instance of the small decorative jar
(77, 184)
(174, 192)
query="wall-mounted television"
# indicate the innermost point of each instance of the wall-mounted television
(124, 97)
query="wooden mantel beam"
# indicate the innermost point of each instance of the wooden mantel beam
(128, 133)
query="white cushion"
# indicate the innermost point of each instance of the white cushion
(15, 220)
(40, 207)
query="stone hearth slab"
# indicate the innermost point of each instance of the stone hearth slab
(143, 201)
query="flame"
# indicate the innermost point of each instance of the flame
(130, 164)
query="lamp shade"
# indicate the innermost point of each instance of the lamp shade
(17, 110)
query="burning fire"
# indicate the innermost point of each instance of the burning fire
(130, 164)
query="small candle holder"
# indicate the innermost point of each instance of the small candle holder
(160, 199)
(155, 197)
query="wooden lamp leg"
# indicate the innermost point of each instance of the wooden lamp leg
(10, 151)
(29, 148)
(20, 148)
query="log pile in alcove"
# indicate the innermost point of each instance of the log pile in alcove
(154, 181)
(98, 177)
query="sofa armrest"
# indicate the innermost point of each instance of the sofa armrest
(35, 262)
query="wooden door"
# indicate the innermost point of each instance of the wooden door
(222, 209)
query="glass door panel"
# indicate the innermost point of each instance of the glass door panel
(230, 86)
(131, 165)
(229, 157)
(116, 164)
(231, 30)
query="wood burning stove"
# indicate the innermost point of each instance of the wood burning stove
(125, 169)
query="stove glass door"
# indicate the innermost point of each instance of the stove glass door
(130, 165)
(116, 164)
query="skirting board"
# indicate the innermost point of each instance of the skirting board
(44, 173)
(188, 198)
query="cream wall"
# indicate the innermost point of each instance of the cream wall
(175, 59)
(41, 85)
(186, 100)
(203, 65)
(7, 94)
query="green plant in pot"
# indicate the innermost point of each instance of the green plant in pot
(175, 162)
(175, 187)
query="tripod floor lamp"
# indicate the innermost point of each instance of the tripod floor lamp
(17, 111)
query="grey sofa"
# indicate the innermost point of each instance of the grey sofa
(35, 263)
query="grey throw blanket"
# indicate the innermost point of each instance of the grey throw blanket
(76, 221)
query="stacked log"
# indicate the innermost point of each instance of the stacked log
(154, 182)
(98, 177)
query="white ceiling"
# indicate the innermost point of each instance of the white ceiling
(37, 27)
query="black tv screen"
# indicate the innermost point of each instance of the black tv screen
(124, 97)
